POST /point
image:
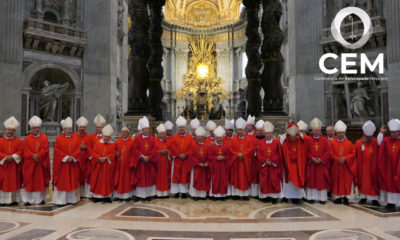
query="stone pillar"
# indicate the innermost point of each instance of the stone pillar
(272, 57)
(65, 13)
(11, 65)
(254, 60)
(140, 53)
(155, 61)
(393, 55)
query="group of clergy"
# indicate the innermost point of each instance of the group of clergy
(210, 162)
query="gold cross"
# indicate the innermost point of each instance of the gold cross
(269, 151)
(316, 146)
(241, 147)
(146, 146)
(201, 152)
(220, 152)
(394, 147)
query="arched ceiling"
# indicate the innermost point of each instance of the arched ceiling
(202, 13)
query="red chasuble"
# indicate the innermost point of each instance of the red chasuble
(318, 175)
(294, 156)
(84, 155)
(66, 174)
(342, 175)
(102, 175)
(367, 159)
(270, 175)
(123, 172)
(92, 140)
(36, 175)
(180, 144)
(144, 172)
(219, 169)
(163, 166)
(389, 165)
(199, 154)
(240, 170)
(10, 172)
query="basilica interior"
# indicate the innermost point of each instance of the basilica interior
(204, 59)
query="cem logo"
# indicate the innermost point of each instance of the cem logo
(346, 58)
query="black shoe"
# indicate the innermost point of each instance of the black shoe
(176, 195)
(222, 199)
(184, 195)
(296, 201)
(148, 199)
(274, 200)
(13, 204)
(391, 207)
(322, 202)
(2, 205)
(195, 198)
(338, 201)
(136, 199)
(244, 198)
(284, 200)
(375, 203)
(235, 197)
(362, 201)
(346, 201)
(42, 203)
(311, 201)
(27, 204)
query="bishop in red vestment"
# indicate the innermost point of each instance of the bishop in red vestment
(163, 163)
(10, 164)
(258, 140)
(36, 165)
(270, 164)
(66, 166)
(144, 162)
(389, 166)
(367, 163)
(294, 156)
(103, 166)
(240, 166)
(180, 145)
(343, 170)
(123, 189)
(219, 156)
(318, 180)
(199, 175)
(85, 153)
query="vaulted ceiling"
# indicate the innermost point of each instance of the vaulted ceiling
(202, 13)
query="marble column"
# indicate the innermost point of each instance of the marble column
(155, 60)
(253, 54)
(140, 53)
(272, 57)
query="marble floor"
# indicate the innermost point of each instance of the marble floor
(184, 219)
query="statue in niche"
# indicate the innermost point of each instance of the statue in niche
(48, 99)
(189, 112)
(359, 103)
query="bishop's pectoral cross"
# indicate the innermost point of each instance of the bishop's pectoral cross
(241, 147)
(394, 147)
(220, 152)
(201, 152)
(269, 151)
(146, 146)
(316, 146)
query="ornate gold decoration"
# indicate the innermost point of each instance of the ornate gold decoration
(202, 13)
(202, 88)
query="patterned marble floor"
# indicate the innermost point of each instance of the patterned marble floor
(185, 219)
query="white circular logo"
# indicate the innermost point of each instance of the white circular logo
(342, 14)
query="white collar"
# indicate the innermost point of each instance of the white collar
(331, 138)
(102, 141)
(269, 141)
(143, 136)
(125, 139)
(218, 144)
(184, 135)
(250, 133)
(200, 143)
(67, 136)
(36, 136)
(242, 137)
(99, 134)
(315, 137)
(11, 138)
(340, 140)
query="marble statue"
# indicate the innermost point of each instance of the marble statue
(359, 103)
(48, 99)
